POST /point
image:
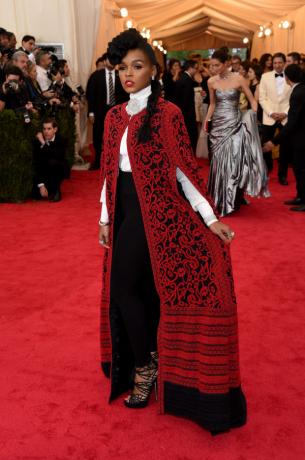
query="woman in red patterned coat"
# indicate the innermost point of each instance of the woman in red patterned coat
(168, 309)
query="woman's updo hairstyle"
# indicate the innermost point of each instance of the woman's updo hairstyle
(222, 55)
(118, 48)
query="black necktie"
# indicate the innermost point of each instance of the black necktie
(111, 90)
(279, 75)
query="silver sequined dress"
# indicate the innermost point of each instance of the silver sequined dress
(236, 153)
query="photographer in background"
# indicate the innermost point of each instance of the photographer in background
(100, 63)
(68, 94)
(28, 46)
(13, 93)
(20, 59)
(5, 57)
(43, 61)
(12, 41)
(50, 164)
(39, 101)
(4, 39)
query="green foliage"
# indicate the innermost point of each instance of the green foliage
(16, 150)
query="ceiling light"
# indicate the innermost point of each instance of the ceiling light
(268, 32)
(260, 34)
(246, 40)
(155, 43)
(129, 24)
(124, 12)
(286, 25)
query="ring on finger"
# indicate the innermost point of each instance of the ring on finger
(102, 242)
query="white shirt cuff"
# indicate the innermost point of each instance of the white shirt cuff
(104, 214)
(104, 211)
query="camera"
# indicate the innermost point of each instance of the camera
(41, 105)
(80, 90)
(12, 87)
(26, 117)
(25, 113)
(52, 72)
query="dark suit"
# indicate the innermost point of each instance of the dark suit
(294, 130)
(185, 99)
(50, 165)
(96, 93)
(169, 87)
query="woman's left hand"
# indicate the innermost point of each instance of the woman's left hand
(224, 232)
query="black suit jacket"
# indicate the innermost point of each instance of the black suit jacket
(43, 155)
(169, 87)
(96, 93)
(295, 126)
(185, 97)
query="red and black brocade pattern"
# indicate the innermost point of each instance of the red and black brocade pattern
(198, 337)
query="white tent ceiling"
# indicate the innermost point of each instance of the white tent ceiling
(230, 20)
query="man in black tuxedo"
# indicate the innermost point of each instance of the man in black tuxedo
(104, 90)
(294, 130)
(50, 164)
(185, 99)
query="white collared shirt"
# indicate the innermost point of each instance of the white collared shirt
(109, 74)
(137, 102)
(280, 84)
(42, 78)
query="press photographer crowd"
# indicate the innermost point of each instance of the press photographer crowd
(33, 84)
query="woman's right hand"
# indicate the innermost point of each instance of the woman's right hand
(104, 236)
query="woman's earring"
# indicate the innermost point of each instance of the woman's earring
(153, 77)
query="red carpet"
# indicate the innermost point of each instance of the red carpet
(53, 395)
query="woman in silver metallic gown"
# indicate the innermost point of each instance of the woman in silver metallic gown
(237, 164)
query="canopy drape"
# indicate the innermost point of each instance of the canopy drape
(228, 20)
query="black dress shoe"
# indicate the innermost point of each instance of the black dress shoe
(294, 202)
(299, 208)
(55, 198)
(283, 181)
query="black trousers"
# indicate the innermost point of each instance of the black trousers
(268, 133)
(299, 172)
(52, 172)
(192, 129)
(132, 287)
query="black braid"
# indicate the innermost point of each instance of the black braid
(128, 40)
(144, 134)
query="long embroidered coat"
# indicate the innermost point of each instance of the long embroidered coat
(197, 337)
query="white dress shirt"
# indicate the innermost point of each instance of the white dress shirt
(42, 78)
(109, 74)
(138, 102)
(280, 84)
